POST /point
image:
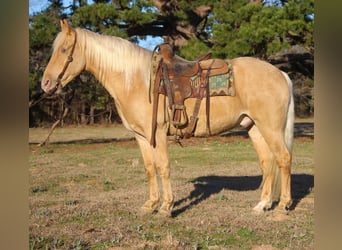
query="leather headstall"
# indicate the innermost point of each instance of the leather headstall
(68, 61)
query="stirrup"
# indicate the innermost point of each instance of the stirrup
(183, 116)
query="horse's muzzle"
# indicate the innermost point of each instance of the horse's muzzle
(48, 87)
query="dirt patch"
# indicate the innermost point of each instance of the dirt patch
(264, 247)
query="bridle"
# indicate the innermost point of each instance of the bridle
(68, 61)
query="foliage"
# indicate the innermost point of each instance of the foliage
(193, 48)
(42, 31)
(241, 28)
(227, 28)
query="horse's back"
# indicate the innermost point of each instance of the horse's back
(252, 75)
(250, 66)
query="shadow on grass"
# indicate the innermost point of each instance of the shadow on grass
(301, 129)
(88, 141)
(205, 186)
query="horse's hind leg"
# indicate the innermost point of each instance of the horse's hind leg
(270, 186)
(152, 203)
(276, 142)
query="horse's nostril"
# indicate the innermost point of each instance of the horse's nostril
(46, 82)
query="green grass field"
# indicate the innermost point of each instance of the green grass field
(86, 195)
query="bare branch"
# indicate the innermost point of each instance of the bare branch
(66, 110)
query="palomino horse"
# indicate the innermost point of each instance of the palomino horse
(263, 104)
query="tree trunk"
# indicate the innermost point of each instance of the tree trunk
(91, 114)
(179, 31)
(83, 113)
(109, 109)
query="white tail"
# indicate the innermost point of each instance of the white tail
(288, 141)
(290, 116)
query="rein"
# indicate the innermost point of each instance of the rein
(66, 65)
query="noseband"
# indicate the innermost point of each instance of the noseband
(69, 60)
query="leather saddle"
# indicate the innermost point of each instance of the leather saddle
(179, 79)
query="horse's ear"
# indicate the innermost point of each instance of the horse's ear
(65, 26)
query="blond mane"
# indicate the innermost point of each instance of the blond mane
(112, 53)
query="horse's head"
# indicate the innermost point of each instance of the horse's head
(66, 61)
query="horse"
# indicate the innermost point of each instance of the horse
(263, 104)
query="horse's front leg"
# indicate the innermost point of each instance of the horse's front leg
(162, 162)
(147, 153)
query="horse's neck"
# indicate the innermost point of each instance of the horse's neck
(124, 72)
(111, 68)
(96, 62)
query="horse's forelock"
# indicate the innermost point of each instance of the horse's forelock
(58, 40)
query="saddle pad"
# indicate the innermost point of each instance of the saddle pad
(219, 85)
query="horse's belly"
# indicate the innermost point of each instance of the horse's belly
(216, 127)
(202, 131)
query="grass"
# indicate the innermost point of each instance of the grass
(88, 195)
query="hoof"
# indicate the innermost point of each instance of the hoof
(166, 210)
(262, 206)
(149, 207)
(285, 206)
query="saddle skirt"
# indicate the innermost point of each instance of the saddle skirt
(188, 74)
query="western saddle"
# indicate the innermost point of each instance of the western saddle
(179, 79)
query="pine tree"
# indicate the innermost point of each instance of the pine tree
(227, 28)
